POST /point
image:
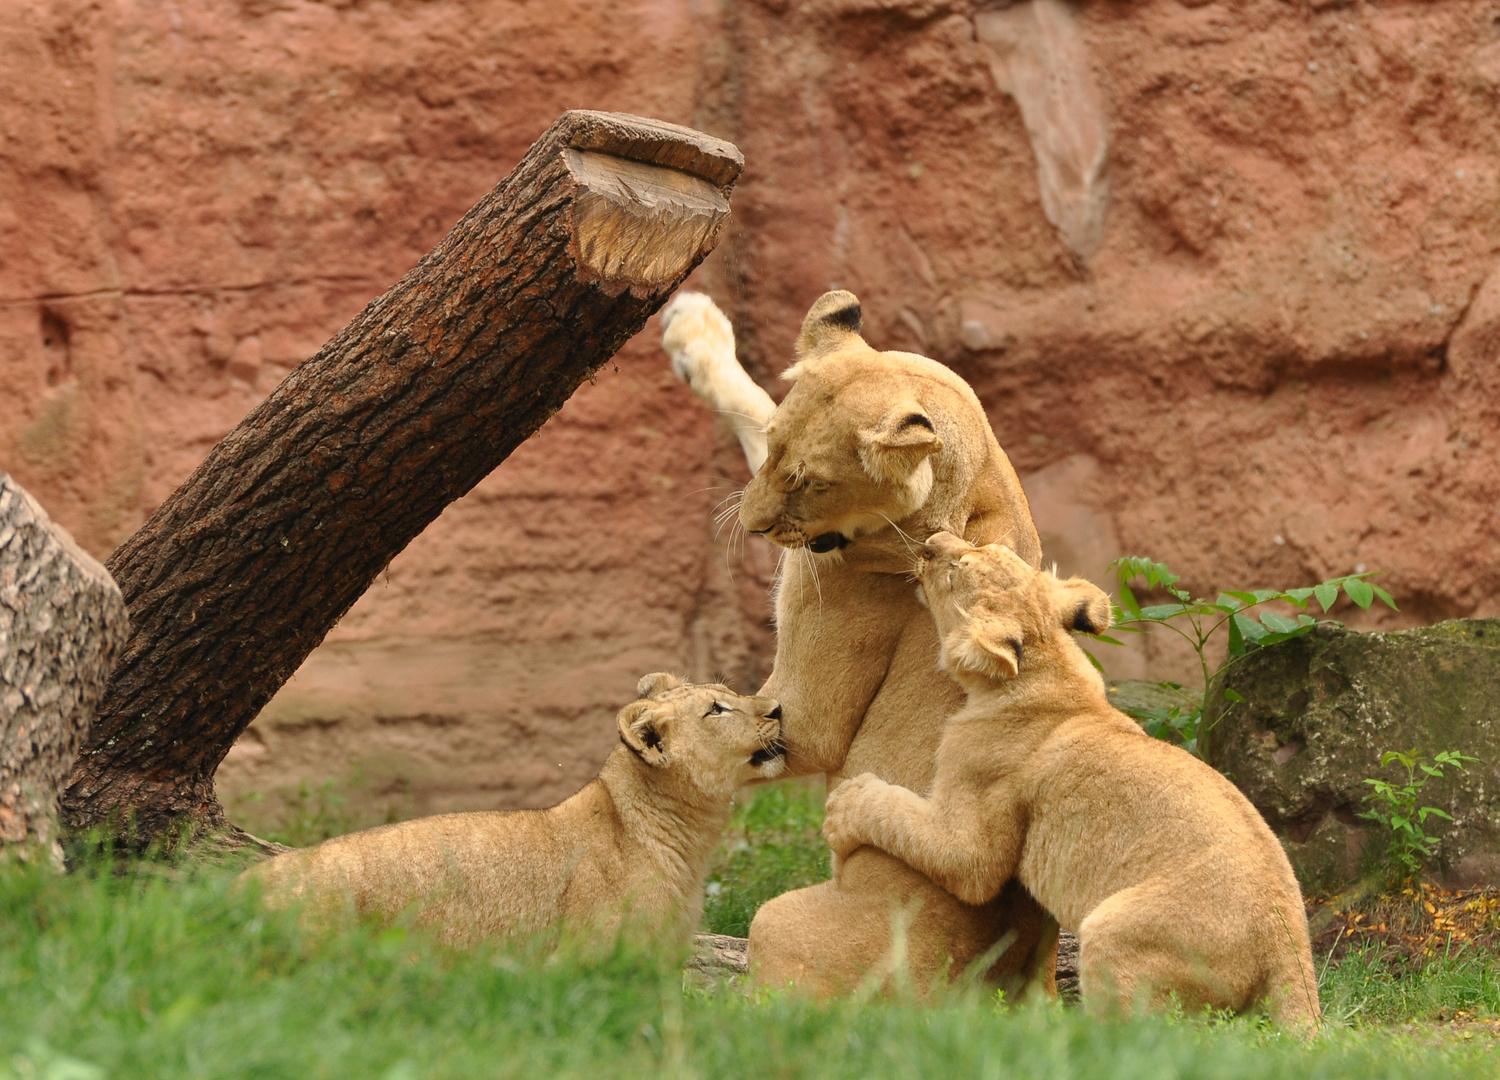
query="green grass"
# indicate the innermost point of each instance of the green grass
(313, 813)
(158, 971)
(1367, 988)
(162, 974)
(772, 845)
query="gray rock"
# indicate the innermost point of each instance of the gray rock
(1129, 695)
(62, 623)
(1321, 709)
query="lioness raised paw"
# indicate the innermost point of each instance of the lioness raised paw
(700, 341)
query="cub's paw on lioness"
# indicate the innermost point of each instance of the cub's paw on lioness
(1173, 883)
(629, 851)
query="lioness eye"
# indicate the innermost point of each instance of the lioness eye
(715, 708)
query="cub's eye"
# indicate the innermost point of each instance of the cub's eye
(715, 708)
(818, 485)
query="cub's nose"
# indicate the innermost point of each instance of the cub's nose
(774, 714)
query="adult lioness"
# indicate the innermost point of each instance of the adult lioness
(869, 454)
(633, 843)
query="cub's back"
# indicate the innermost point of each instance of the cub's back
(475, 875)
(1117, 806)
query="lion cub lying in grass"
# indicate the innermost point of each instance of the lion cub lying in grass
(1171, 880)
(633, 844)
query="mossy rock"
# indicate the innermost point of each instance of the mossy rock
(1318, 711)
(1132, 695)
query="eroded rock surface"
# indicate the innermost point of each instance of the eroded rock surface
(1321, 709)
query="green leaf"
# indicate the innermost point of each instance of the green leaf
(1434, 812)
(1277, 639)
(1162, 612)
(1298, 596)
(1095, 661)
(1385, 597)
(1327, 593)
(1107, 639)
(1244, 598)
(1232, 695)
(1252, 630)
(1128, 601)
(1278, 624)
(1361, 592)
(1236, 639)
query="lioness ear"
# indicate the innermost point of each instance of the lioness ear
(655, 683)
(832, 322)
(892, 451)
(1083, 606)
(641, 731)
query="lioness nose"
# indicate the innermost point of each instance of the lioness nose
(774, 714)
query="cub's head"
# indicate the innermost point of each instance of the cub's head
(850, 449)
(704, 733)
(997, 616)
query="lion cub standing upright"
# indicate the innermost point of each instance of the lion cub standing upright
(1171, 880)
(634, 842)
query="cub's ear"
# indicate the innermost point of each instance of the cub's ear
(1083, 606)
(642, 731)
(892, 451)
(657, 682)
(991, 647)
(832, 322)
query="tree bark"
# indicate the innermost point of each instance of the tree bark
(245, 568)
(62, 623)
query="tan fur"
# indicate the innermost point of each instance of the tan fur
(877, 447)
(630, 849)
(1173, 883)
(700, 341)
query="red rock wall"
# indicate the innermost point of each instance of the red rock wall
(1272, 369)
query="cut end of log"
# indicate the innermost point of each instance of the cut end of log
(640, 226)
(651, 198)
(653, 142)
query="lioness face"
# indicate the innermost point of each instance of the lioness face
(991, 606)
(714, 739)
(842, 461)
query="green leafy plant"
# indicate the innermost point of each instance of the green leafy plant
(1395, 806)
(1242, 614)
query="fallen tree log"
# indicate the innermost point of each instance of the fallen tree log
(241, 572)
(62, 623)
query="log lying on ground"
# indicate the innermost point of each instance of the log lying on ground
(245, 568)
(62, 623)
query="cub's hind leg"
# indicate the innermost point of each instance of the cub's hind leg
(1139, 949)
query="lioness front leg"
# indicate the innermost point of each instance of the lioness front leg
(700, 341)
(955, 842)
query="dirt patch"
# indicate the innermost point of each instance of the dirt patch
(1409, 926)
